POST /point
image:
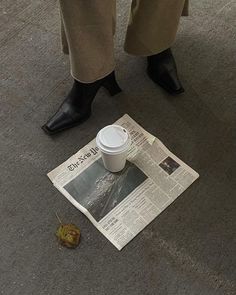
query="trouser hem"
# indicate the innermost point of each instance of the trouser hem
(74, 76)
(147, 51)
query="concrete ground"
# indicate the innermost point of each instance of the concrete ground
(190, 248)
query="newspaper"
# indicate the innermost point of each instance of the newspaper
(120, 205)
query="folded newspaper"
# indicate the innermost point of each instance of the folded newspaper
(120, 205)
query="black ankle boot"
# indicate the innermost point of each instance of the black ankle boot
(163, 71)
(76, 108)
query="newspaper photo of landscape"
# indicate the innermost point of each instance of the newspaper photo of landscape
(99, 191)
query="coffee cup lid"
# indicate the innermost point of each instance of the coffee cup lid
(113, 139)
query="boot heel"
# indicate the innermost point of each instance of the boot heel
(111, 85)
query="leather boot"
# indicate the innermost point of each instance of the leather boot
(76, 108)
(163, 71)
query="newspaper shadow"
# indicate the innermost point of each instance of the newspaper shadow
(99, 190)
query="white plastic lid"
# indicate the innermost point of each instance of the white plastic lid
(113, 139)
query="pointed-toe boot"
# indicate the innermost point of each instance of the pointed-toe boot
(163, 71)
(76, 108)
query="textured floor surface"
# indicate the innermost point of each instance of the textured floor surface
(190, 248)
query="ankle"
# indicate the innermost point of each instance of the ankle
(161, 55)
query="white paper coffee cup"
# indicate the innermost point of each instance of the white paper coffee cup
(114, 143)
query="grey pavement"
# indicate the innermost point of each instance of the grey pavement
(191, 247)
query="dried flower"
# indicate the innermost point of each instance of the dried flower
(68, 235)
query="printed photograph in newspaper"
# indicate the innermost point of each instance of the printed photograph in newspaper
(99, 191)
(169, 165)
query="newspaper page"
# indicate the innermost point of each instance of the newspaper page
(122, 204)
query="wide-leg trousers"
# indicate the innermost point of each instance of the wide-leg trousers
(88, 28)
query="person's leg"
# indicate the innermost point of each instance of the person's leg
(88, 29)
(153, 25)
(151, 32)
(87, 36)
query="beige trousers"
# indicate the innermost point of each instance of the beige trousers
(88, 28)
